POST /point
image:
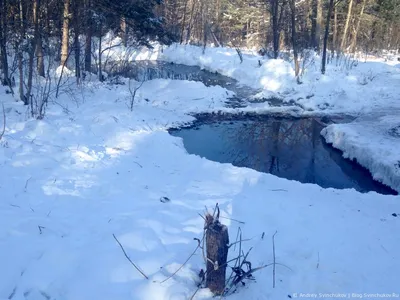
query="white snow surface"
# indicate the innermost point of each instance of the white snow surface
(374, 141)
(92, 168)
(367, 85)
(355, 86)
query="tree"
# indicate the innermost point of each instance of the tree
(3, 40)
(77, 47)
(346, 26)
(316, 24)
(354, 40)
(38, 38)
(328, 18)
(65, 33)
(292, 5)
(277, 9)
(88, 35)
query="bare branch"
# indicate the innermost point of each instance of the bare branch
(274, 263)
(126, 255)
(241, 222)
(191, 255)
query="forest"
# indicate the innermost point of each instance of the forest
(33, 32)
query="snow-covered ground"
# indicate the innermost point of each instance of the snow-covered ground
(92, 168)
(374, 141)
(355, 86)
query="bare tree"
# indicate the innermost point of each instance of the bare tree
(354, 40)
(88, 34)
(3, 40)
(20, 54)
(277, 8)
(328, 19)
(65, 33)
(77, 48)
(38, 38)
(292, 5)
(346, 26)
(316, 24)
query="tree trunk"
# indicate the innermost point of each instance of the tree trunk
(217, 243)
(65, 34)
(316, 24)
(38, 38)
(275, 27)
(294, 38)
(88, 42)
(20, 54)
(346, 26)
(189, 30)
(328, 19)
(334, 38)
(354, 40)
(3, 42)
(100, 72)
(31, 55)
(77, 47)
(183, 22)
(124, 32)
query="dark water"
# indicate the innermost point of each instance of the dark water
(288, 148)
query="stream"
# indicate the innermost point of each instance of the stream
(287, 147)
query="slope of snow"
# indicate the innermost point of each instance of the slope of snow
(349, 85)
(92, 168)
(361, 88)
(374, 141)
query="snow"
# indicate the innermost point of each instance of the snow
(93, 168)
(372, 140)
(350, 85)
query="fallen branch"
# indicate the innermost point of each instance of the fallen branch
(191, 255)
(126, 255)
(274, 263)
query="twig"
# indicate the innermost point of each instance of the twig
(240, 246)
(123, 250)
(4, 122)
(246, 240)
(40, 228)
(191, 255)
(237, 238)
(138, 164)
(26, 184)
(273, 253)
(241, 222)
(216, 208)
(251, 271)
(201, 216)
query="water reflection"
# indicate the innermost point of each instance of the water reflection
(289, 148)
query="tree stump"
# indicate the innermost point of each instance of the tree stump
(217, 241)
